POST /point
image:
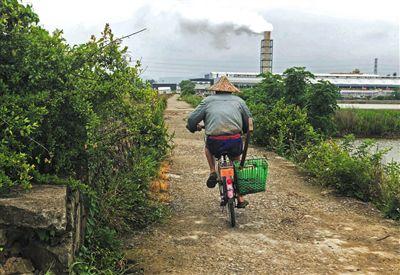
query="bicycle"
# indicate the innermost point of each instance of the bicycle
(227, 179)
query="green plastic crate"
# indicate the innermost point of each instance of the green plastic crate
(252, 178)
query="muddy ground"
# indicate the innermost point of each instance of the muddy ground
(292, 228)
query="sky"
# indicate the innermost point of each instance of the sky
(188, 38)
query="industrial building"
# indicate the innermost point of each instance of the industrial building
(164, 88)
(362, 85)
(350, 84)
(202, 85)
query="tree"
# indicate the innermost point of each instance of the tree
(187, 87)
(297, 79)
(268, 91)
(321, 104)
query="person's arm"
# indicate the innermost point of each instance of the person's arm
(196, 117)
(246, 115)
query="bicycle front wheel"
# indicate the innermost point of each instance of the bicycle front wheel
(231, 212)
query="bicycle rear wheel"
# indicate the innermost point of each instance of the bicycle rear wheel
(231, 212)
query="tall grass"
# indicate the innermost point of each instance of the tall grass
(368, 123)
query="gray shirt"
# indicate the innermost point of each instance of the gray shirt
(223, 114)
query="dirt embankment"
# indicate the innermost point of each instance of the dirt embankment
(293, 228)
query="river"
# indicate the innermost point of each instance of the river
(394, 144)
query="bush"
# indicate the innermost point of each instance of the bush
(321, 104)
(318, 100)
(193, 100)
(79, 116)
(284, 128)
(352, 171)
(355, 171)
(390, 203)
(187, 87)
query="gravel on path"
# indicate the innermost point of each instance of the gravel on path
(292, 228)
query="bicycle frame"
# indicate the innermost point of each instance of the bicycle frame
(226, 184)
(226, 175)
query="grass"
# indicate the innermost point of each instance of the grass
(368, 123)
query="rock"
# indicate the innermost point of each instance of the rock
(45, 257)
(45, 225)
(42, 207)
(16, 265)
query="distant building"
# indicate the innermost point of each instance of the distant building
(350, 85)
(239, 79)
(164, 88)
(202, 85)
(362, 85)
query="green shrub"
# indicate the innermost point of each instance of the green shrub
(187, 87)
(321, 104)
(355, 171)
(193, 100)
(352, 171)
(390, 203)
(284, 128)
(79, 116)
(318, 100)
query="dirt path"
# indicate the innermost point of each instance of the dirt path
(293, 228)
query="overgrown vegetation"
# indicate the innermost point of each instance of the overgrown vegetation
(295, 117)
(187, 87)
(79, 116)
(355, 171)
(193, 100)
(368, 123)
(294, 87)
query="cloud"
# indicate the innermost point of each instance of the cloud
(190, 38)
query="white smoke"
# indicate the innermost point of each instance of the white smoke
(224, 13)
(221, 21)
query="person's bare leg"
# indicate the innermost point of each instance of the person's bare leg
(240, 198)
(210, 160)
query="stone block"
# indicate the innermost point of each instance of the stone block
(42, 207)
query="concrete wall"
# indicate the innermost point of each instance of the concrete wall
(41, 229)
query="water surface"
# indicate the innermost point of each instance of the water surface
(394, 144)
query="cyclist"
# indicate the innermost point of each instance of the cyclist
(225, 118)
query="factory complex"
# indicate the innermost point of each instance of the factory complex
(354, 84)
(351, 85)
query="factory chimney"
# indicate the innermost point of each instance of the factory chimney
(376, 66)
(266, 53)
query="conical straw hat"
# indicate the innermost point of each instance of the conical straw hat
(223, 85)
